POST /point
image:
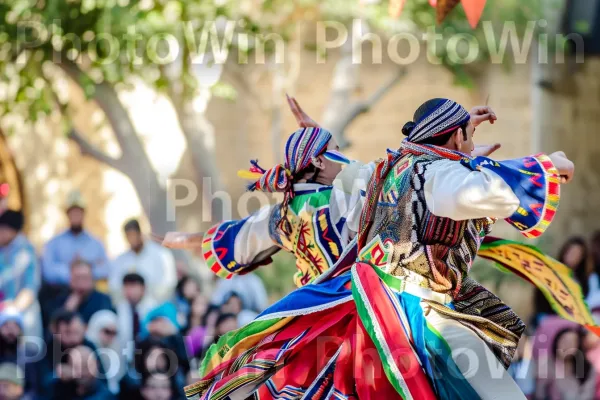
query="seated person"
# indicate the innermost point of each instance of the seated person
(83, 298)
(78, 377)
(12, 386)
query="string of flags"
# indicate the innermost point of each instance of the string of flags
(473, 9)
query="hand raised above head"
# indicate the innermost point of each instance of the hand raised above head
(303, 120)
(480, 114)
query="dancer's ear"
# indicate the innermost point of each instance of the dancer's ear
(458, 139)
(318, 162)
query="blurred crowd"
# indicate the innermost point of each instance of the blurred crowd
(558, 359)
(75, 324)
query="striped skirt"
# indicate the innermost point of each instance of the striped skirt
(354, 336)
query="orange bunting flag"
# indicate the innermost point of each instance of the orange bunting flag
(395, 7)
(443, 8)
(474, 10)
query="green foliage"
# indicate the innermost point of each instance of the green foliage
(120, 42)
(278, 277)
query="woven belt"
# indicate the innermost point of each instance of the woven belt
(425, 293)
(402, 285)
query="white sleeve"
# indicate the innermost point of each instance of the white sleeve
(347, 197)
(453, 191)
(253, 238)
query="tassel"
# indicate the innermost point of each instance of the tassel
(474, 10)
(250, 175)
(256, 168)
(444, 7)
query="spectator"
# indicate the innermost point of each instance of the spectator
(78, 377)
(225, 324)
(157, 387)
(573, 377)
(594, 280)
(152, 261)
(154, 358)
(68, 332)
(187, 290)
(233, 304)
(245, 317)
(83, 298)
(574, 254)
(73, 244)
(200, 337)
(103, 332)
(19, 271)
(198, 309)
(13, 348)
(132, 310)
(249, 287)
(161, 324)
(523, 367)
(195, 332)
(11, 382)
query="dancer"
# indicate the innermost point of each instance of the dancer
(408, 299)
(311, 222)
(325, 205)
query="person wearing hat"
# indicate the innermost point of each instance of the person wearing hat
(15, 350)
(18, 270)
(11, 382)
(73, 244)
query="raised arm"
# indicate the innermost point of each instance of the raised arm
(523, 191)
(238, 247)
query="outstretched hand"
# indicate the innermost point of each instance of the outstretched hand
(303, 120)
(481, 114)
(485, 150)
(179, 240)
(564, 166)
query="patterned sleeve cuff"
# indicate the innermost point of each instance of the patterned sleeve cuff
(535, 182)
(218, 249)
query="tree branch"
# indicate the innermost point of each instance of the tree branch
(362, 107)
(386, 87)
(90, 150)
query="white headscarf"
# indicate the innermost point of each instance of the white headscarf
(111, 354)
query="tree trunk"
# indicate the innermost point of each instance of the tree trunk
(134, 161)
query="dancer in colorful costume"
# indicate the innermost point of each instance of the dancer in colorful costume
(385, 325)
(310, 222)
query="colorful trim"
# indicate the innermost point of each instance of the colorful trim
(535, 182)
(217, 249)
(379, 312)
(552, 196)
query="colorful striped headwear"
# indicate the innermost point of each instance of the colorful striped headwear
(301, 147)
(445, 117)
